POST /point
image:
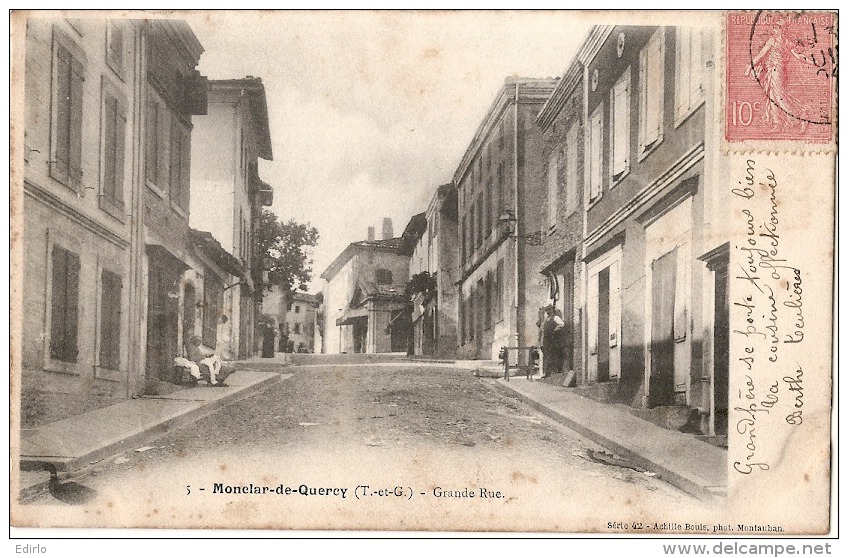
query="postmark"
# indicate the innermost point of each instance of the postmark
(781, 73)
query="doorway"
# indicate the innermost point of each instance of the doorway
(721, 354)
(663, 289)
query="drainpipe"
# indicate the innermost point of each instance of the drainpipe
(136, 333)
(517, 245)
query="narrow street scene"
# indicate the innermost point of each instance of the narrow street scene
(502, 271)
(388, 422)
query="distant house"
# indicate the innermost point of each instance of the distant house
(365, 307)
(430, 239)
(294, 318)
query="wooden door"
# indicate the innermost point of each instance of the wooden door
(603, 325)
(663, 289)
(721, 350)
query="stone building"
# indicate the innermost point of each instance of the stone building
(365, 307)
(561, 122)
(105, 207)
(430, 240)
(501, 193)
(227, 195)
(655, 277)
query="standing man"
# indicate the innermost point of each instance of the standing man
(553, 337)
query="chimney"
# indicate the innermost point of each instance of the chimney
(370, 234)
(387, 229)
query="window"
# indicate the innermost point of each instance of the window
(383, 277)
(689, 67)
(596, 152)
(110, 320)
(471, 230)
(488, 193)
(179, 166)
(499, 290)
(297, 327)
(571, 168)
(488, 295)
(156, 141)
(500, 205)
(651, 79)
(553, 187)
(470, 305)
(463, 241)
(479, 219)
(461, 320)
(480, 301)
(501, 135)
(297, 309)
(620, 127)
(112, 146)
(66, 115)
(64, 305)
(115, 46)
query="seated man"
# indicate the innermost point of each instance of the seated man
(204, 364)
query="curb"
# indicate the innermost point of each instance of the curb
(173, 422)
(678, 480)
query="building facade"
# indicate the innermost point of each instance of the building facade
(562, 125)
(654, 276)
(228, 194)
(365, 307)
(294, 317)
(501, 188)
(97, 218)
(430, 240)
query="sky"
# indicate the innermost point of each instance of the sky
(371, 111)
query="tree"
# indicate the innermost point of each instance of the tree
(286, 250)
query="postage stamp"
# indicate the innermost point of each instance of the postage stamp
(781, 73)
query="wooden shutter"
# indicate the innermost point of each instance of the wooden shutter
(120, 149)
(684, 69)
(571, 169)
(110, 321)
(620, 127)
(75, 134)
(596, 153)
(185, 175)
(109, 146)
(652, 61)
(175, 181)
(58, 303)
(151, 148)
(553, 171)
(62, 134)
(162, 141)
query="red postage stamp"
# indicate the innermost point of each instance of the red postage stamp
(781, 74)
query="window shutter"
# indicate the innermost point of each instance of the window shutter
(593, 314)
(553, 170)
(109, 147)
(175, 170)
(58, 303)
(63, 111)
(72, 308)
(614, 304)
(620, 131)
(684, 69)
(680, 303)
(162, 141)
(75, 134)
(185, 175)
(152, 134)
(696, 84)
(654, 88)
(597, 154)
(571, 169)
(120, 148)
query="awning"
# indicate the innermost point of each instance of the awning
(352, 315)
(169, 260)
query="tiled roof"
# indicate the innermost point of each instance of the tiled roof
(212, 248)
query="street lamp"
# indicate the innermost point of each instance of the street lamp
(507, 222)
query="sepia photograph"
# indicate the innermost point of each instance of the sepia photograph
(424, 271)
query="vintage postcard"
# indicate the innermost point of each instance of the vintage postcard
(475, 271)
